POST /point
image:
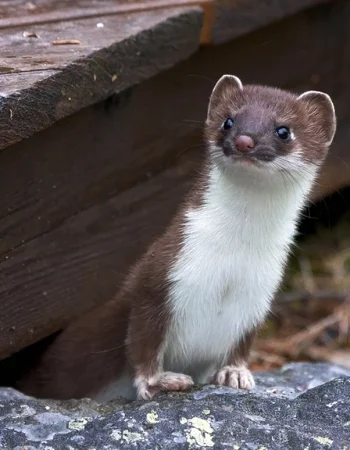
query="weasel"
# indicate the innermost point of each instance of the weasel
(189, 308)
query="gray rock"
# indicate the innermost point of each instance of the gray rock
(302, 406)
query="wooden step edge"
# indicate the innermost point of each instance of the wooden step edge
(134, 7)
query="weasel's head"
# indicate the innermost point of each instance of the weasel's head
(266, 129)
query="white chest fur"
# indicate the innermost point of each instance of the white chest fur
(235, 248)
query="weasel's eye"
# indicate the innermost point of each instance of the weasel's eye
(283, 133)
(227, 124)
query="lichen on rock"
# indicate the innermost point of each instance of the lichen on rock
(302, 406)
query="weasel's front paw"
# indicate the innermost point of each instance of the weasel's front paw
(235, 377)
(164, 381)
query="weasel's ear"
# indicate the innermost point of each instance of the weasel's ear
(321, 112)
(222, 89)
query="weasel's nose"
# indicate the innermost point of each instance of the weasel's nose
(244, 143)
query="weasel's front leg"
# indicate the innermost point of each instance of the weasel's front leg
(236, 373)
(146, 345)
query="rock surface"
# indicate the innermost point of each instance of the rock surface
(302, 406)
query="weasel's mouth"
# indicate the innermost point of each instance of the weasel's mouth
(259, 155)
(246, 161)
(255, 159)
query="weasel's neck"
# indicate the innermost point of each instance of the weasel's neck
(239, 205)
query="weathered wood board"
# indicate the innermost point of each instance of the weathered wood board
(21, 12)
(83, 198)
(114, 44)
(84, 259)
(41, 83)
(118, 147)
(239, 17)
(224, 19)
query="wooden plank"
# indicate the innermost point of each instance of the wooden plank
(126, 51)
(101, 152)
(239, 17)
(104, 60)
(84, 258)
(22, 54)
(27, 14)
(23, 13)
(223, 19)
(11, 81)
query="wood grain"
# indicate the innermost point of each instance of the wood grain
(23, 13)
(106, 149)
(127, 50)
(84, 258)
(137, 39)
(227, 18)
(240, 17)
(26, 54)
